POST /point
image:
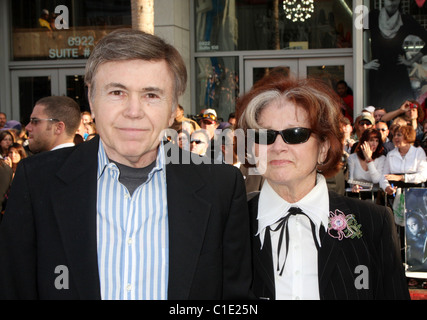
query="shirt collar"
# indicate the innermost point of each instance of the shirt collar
(63, 145)
(272, 207)
(103, 160)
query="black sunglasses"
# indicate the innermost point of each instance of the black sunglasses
(290, 136)
(197, 141)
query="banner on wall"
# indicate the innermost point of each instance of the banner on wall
(396, 60)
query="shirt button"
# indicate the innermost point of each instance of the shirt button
(296, 298)
(129, 287)
(130, 241)
(297, 272)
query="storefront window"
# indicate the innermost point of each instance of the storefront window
(66, 29)
(217, 84)
(228, 25)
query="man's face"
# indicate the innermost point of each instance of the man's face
(2, 120)
(341, 89)
(41, 136)
(209, 126)
(132, 104)
(86, 118)
(378, 114)
(382, 127)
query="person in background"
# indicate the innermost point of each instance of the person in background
(378, 113)
(232, 119)
(6, 140)
(346, 95)
(199, 142)
(53, 124)
(382, 127)
(307, 241)
(15, 155)
(413, 115)
(183, 139)
(209, 122)
(405, 165)
(44, 20)
(347, 129)
(3, 120)
(183, 123)
(86, 117)
(367, 162)
(6, 177)
(364, 121)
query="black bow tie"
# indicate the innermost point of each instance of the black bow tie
(283, 226)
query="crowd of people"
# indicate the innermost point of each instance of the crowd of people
(128, 224)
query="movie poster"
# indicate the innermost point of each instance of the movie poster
(416, 229)
(395, 59)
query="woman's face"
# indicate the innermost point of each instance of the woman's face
(289, 166)
(373, 143)
(391, 6)
(14, 155)
(399, 140)
(6, 142)
(412, 225)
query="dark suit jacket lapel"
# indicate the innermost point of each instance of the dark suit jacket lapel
(330, 249)
(74, 203)
(263, 260)
(188, 215)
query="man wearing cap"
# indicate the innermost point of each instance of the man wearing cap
(44, 20)
(364, 121)
(209, 122)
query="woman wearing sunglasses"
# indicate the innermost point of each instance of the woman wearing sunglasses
(309, 243)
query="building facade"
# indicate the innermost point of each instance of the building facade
(227, 45)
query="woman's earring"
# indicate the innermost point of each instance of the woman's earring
(319, 164)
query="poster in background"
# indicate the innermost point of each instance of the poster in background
(416, 229)
(395, 59)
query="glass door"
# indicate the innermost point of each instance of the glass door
(28, 86)
(330, 70)
(255, 69)
(71, 84)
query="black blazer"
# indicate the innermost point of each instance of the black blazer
(51, 220)
(377, 249)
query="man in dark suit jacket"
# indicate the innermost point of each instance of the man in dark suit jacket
(52, 240)
(368, 267)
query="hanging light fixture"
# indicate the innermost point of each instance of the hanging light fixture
(298, 10)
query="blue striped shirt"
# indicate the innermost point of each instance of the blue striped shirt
(132, 233)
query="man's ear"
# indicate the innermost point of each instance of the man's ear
(59, 127)
(172, 117)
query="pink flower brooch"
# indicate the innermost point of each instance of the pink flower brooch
(343, 226)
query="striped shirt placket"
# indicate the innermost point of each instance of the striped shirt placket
(132, 234)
